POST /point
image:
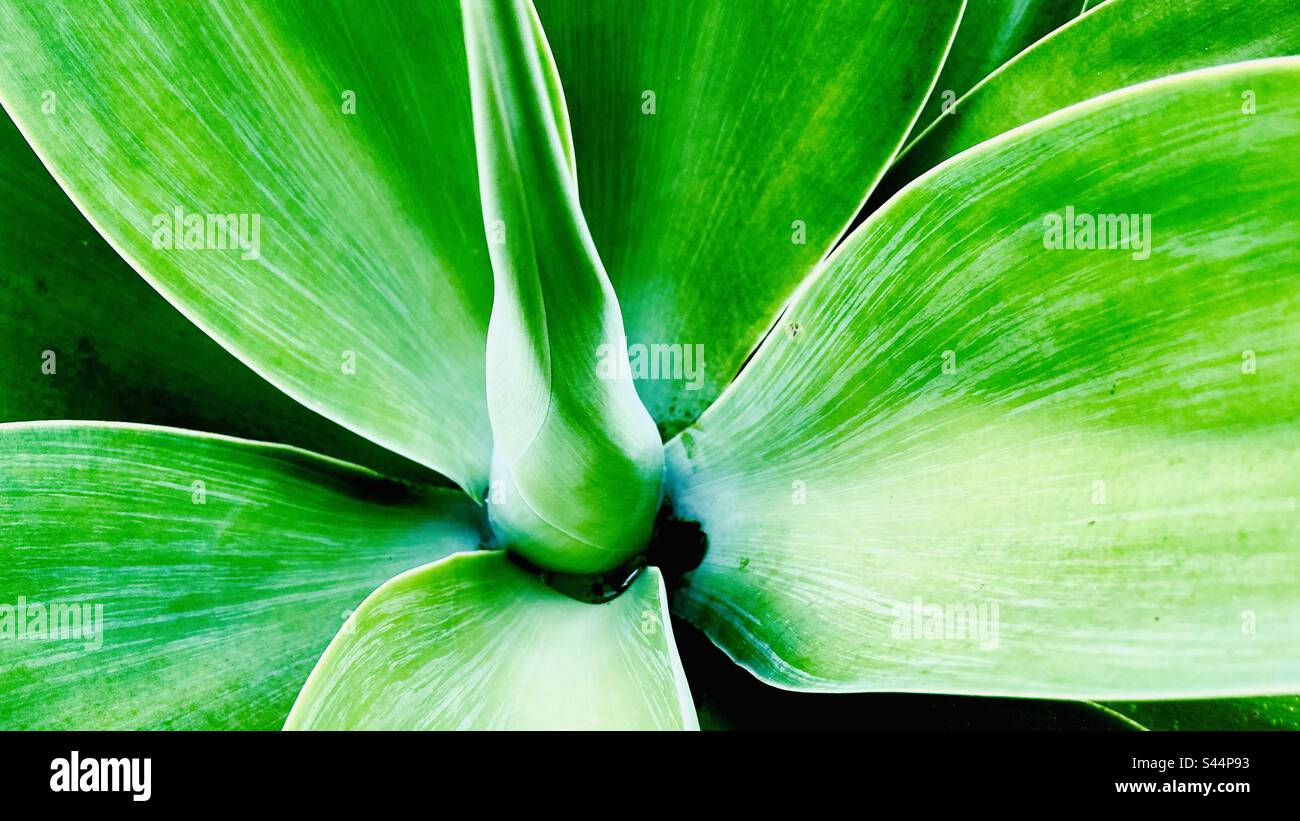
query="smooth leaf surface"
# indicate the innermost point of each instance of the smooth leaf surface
(64, 293)
(1100, 444)
(473, 642)
(198, 606)
(1116, 44)
(722, 147)
(990, 34)
(339, 137)
(577, 462)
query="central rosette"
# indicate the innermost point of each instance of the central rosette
(577, 462)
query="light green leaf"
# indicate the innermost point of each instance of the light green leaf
(577, 464)
(1271, 713)
(729, 698)
(990, 34)
(1117, 44)
(771, 121)
(69, 355)
(473, 642)
(1101, 444)
(361, 285)
(207, 573)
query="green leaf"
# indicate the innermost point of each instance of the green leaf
(63, 295)
(577, 464)
(729, 698)
(1271, 713)
(771, 121)
(473, 642)
(207, 573)
(1100, 444)
(1119, 43)
(361, 286)
(990, 34)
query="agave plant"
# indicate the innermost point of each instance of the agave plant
(496, 334)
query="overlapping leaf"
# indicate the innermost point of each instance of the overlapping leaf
(153, 578)
(1119, 43)
(473, 642)
(728, 697)
(337, 137)
(979, 458)
(990, 34)
(721, 149)
(70, 355)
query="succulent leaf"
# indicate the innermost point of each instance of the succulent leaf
(991, 33)
(1117, 44)
(577, 462)
(1084, 459)
(64, 293)
(722, 148)
(205, 574)
(474, 642)
(338, 137)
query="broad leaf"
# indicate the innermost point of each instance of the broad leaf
(1120, 43)
(990, 34)
(205, 574)
(722, 147)
(339, 137)
(473, 642)
(577, 463)
(977, 459)
(64, 293)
